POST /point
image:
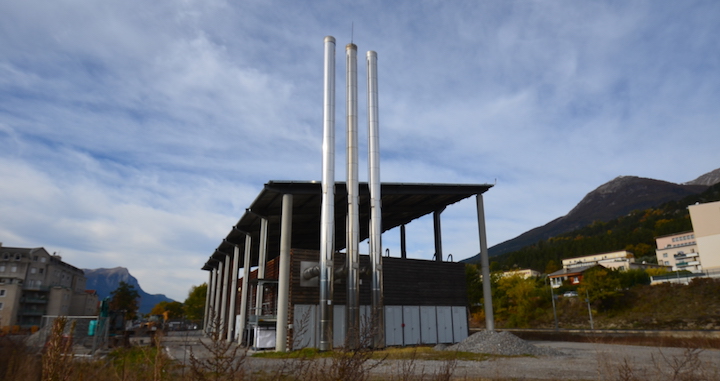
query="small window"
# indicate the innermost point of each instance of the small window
(665, 255)
(2, 292)
(42, 259)
(2, 269)
(1, 305)
(35, 258)
(667, 263)
(33, 270)
(41, 270)
(13, 269)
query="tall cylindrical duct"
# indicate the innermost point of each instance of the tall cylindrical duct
(378, 316)
(327, 212)
(352, 260)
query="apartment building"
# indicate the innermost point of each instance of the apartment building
(574, 268)
(34, 283)
(680, 251)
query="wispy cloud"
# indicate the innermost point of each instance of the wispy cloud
(135, 134)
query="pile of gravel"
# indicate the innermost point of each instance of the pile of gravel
(500, 343)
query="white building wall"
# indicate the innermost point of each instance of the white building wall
(706, 225)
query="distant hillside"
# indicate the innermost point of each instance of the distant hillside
(613, 199)
(634, 232)
(105, 281)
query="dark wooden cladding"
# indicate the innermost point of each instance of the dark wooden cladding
(423, 283)
(406, 281)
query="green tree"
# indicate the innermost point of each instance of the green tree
(551, 267)
(517, 300)
(601, 285)
(125, 298)
(473, 284)
(174, 309)
(195, 303)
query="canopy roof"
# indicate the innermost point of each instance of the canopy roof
(401, 203)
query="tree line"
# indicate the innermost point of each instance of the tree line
(126, 298)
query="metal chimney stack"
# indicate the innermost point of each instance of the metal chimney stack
(327, 217)
(352, 313)
(378, 315)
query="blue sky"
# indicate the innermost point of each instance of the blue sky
(136, 133)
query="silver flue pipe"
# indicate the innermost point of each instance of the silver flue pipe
(378, 316)
(352, 259)
(327, 212)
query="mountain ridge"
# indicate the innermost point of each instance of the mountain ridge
(614, 199)
(106, 280)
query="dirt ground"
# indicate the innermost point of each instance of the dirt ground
(580, 361)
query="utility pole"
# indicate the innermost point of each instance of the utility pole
(552, 296)
(587, 300)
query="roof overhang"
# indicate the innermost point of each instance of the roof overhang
(401, 203)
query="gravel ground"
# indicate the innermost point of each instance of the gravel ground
(531, 360)
(500, 343)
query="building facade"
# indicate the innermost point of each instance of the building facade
(680, 251)
(574, 268)
(706, 226)
(34, 283)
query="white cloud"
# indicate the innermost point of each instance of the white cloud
(136, 133)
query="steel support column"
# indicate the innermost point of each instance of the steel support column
(218, 291)
(262, 255)
(437, 230)
(284, 274)
(233, 293)
(485, 264)
(403, 243)
(210, 301)
(224, 299)
(244, 292)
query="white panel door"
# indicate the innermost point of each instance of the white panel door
(393, 325)
(304, 326)
(366, 327)
(411, 328)
(428, 325)
(444, 324)
(460, 323)
(338, 325)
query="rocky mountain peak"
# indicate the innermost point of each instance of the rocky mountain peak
(105, 281)
(708, 179)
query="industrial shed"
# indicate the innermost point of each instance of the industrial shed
(424, 300)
